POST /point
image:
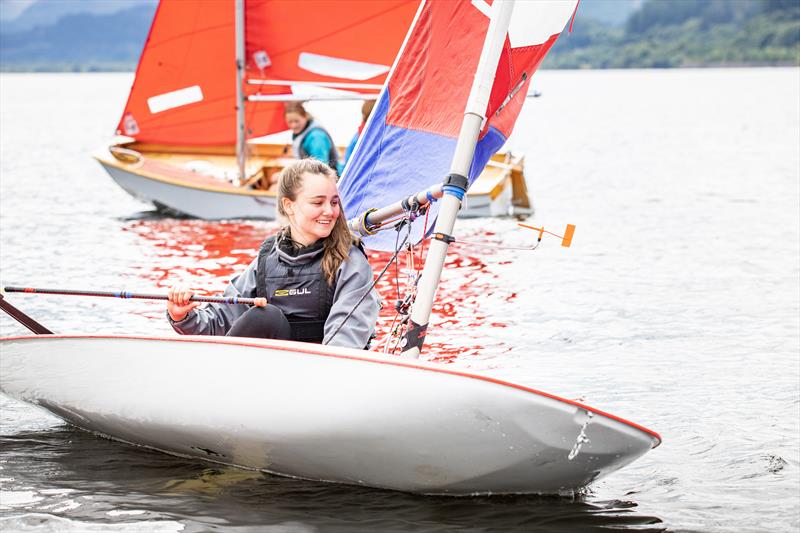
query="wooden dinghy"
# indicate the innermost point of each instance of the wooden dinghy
(321, 413)
(191, 133)
(199, 182)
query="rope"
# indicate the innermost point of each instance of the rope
(375, 282)
(486, 244)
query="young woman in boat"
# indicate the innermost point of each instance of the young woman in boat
(313, 273)
(309, 139)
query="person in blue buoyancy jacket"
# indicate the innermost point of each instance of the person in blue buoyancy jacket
(313, 273)
(310, 139)
(366, 110)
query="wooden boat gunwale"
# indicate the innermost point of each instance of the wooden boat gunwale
(192, 179)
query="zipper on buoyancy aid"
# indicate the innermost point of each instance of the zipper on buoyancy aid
(301, 292)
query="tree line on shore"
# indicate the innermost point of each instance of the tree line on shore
(686, 33)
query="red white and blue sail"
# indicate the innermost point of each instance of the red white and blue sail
(409, 141)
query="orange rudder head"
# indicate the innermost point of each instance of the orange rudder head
(567, 239)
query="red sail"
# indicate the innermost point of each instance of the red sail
(184, 92)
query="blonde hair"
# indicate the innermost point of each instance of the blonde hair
(336, 246)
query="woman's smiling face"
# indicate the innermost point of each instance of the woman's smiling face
(315, 210)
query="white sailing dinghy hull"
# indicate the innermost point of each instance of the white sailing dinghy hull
(499, 191)
(321, 413)
(223, 201)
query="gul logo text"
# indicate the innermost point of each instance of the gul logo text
(291, 292)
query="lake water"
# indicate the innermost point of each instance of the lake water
(677, 307)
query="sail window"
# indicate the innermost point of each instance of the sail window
(337, 67)
(130, 125)
(262, 59)
(173, 99)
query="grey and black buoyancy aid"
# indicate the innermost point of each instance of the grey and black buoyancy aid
(299, 152)
(295, 284)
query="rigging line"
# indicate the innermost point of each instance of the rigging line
(497, 246)
(387, 223)
(487, 244)
(409, 252)
(396, 266)
(389, 335)
(395, 222)
(422, 242)
(411, 265)
(374, 283)
(396, 334)
(397, 342)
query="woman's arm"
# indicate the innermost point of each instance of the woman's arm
(354, 278)
(216, 319)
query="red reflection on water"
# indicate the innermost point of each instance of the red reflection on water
(206, 255)
(459, 322)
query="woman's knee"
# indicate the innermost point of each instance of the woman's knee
(266, 322)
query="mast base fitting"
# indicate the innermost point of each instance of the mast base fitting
(447, 239)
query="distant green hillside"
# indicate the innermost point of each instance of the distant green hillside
(78, 41)
(686, 33)
(611, 12)
(607, 34)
